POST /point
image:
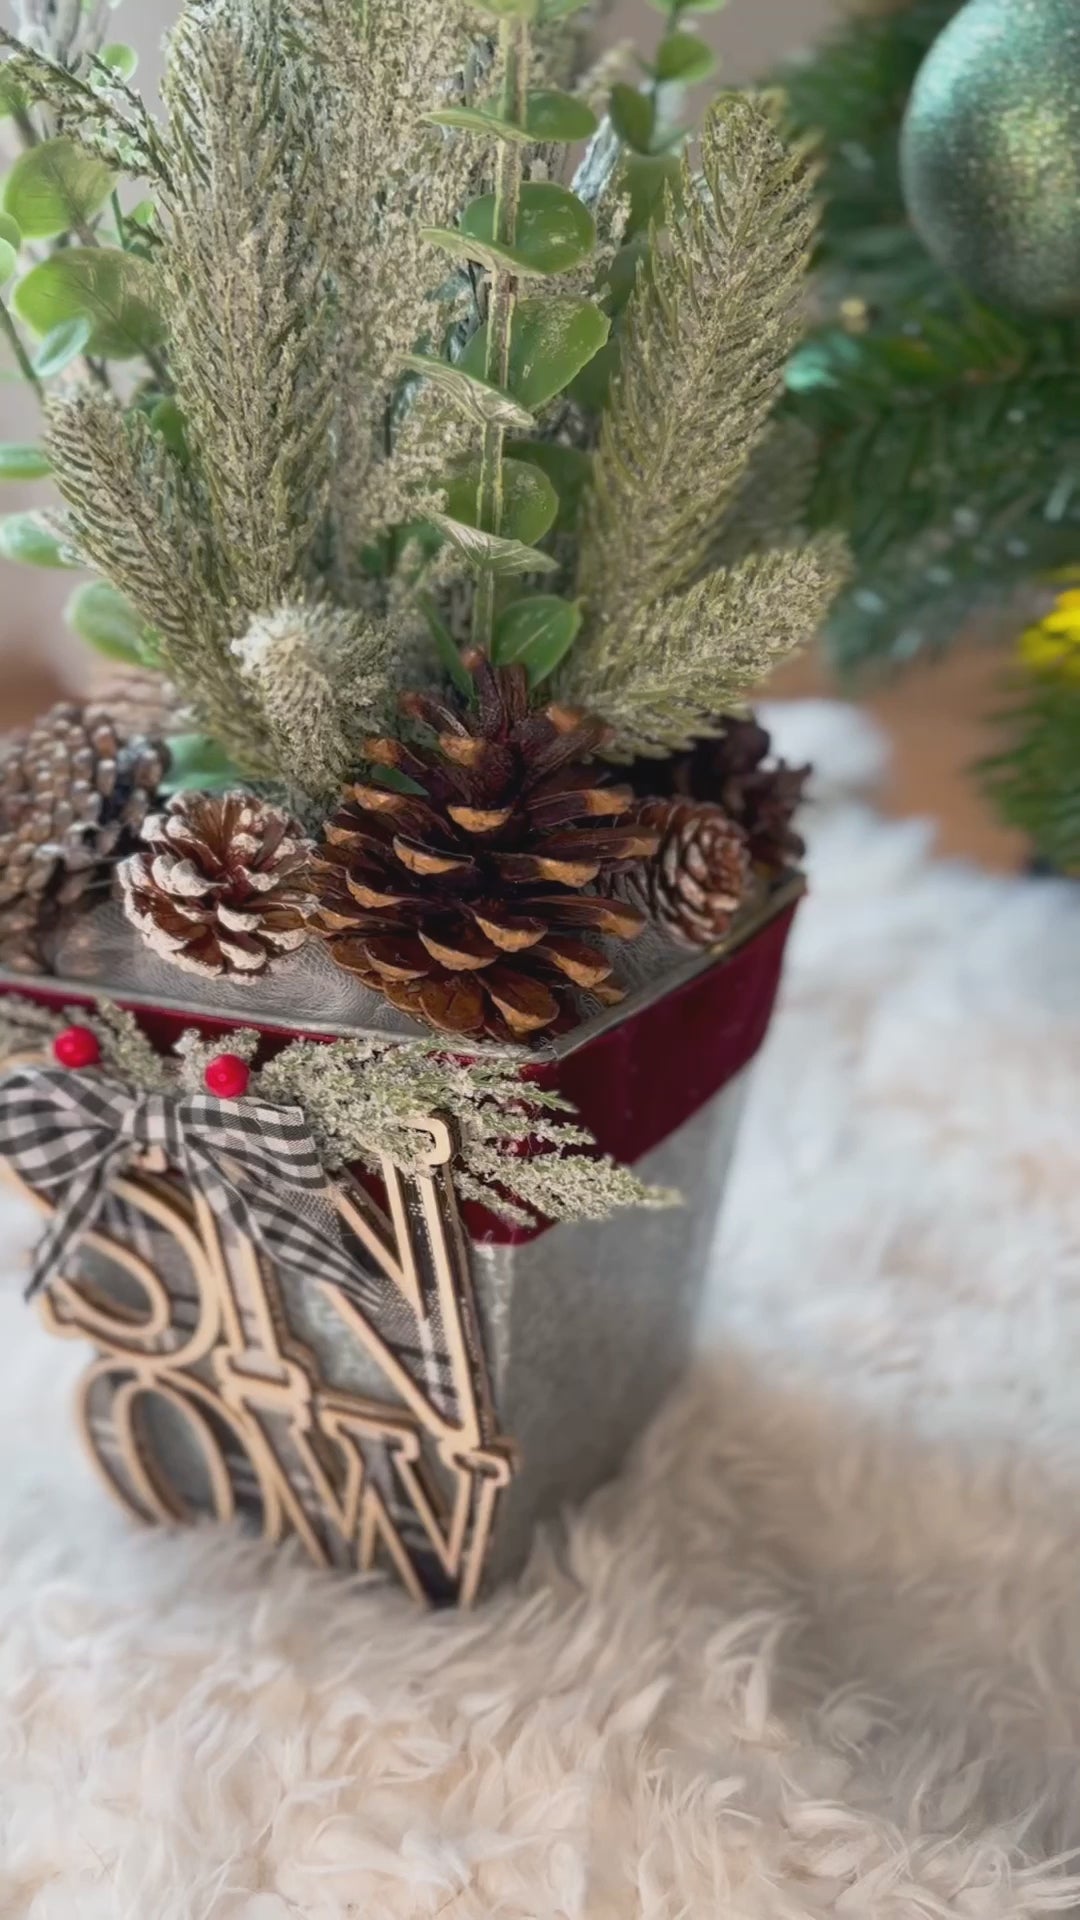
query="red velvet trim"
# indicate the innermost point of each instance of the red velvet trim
(632, 1085)
(639, 1081)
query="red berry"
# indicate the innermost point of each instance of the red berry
(77, 1047)
(227, 1076)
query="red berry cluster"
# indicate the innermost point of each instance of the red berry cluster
(226, 1075)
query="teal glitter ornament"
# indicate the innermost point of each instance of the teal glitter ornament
(990, 152)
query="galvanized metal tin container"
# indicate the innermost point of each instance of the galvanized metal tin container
(483, 1376)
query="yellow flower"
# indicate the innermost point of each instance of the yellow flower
(1053, 646)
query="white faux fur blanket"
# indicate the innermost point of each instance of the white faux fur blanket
(818, 1653)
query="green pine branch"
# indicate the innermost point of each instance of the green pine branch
(1034, 779)
(950, 452)
(848, 97)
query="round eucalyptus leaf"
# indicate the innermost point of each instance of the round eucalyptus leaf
(530, 503)
(476, 399)
(61, 346)
(121, 58)
(493, 552)
(644, 177)
(27, 538)
(9, 260)
(622, 274)
(54, 187)
(10, 231)
(167, 420)
(197, 761)
(685, 58)
(568, 468)
(550, 341)
(549, 115)
(23, 462)
(536, 633)
(116, 292)
(633, 116)
(593, 384)
(555, 232)
(107, 622)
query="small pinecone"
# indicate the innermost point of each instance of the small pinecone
(222, 886)
(140, 701)
(700, 874)
(74, 792)
(735, 772)
(466, 903)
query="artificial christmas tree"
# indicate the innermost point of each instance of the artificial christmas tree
(941, 396)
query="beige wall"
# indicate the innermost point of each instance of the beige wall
(749, 33)
(749, 36)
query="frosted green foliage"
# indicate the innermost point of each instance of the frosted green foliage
(135, 517)
(684, 662)
(248, 312)
(323, 683)
(126, 1053)
(362, 1097)
(710, 324)
(362, 274)
(384, 176)
(712, 320)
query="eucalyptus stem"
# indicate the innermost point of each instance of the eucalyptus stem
(7, 325)
(501, 299)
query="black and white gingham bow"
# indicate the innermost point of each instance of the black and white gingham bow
(68, 1134)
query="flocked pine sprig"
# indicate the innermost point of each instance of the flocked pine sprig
(385, 173)
(323, 679)
(85, 98)
(712, 320)
(135, 514)
(125, 1051)
(243, 277)
(701, 653)
(362, 1097)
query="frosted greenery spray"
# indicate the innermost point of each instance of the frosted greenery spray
(367, 382)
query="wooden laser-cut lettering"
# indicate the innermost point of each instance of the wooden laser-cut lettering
(193, 1342)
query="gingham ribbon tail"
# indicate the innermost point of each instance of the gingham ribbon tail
(257, 1166)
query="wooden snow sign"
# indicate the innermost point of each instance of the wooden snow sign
(374, 1442)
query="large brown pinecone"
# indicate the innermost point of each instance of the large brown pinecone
(141, 701)
(737, 772)
(221, 885)
(700, 874)
(465, 903)
(74, 792)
